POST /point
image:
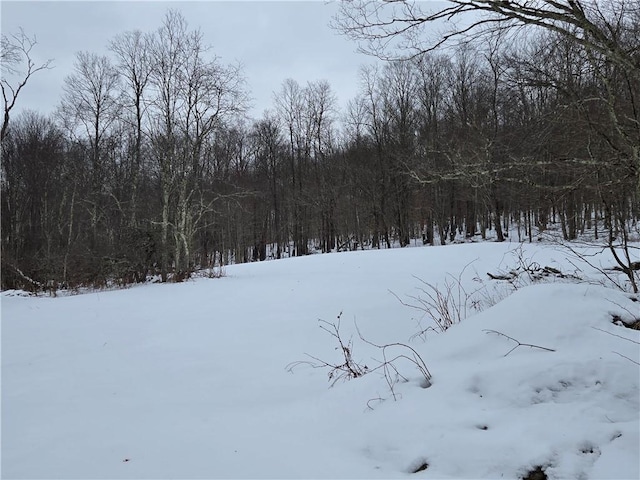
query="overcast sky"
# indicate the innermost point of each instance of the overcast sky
(273, 40)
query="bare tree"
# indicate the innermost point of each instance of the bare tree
(132, 53)
(89, 107)
(269, 151)
(193, 95)
(290, 106)
(17, 62)
(321, 110)
(32, 184)
(90, 100)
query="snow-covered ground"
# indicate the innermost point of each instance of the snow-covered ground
(190, 380)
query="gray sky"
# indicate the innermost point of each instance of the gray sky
(273, 40)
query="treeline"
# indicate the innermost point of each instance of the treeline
(150, 165)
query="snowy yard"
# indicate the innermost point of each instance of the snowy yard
(190, 380)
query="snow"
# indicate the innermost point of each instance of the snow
(190, 380)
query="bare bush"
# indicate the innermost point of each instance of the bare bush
(347, 368)
(388, 365)
(448, 304)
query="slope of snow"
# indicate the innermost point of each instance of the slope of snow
(190, 380)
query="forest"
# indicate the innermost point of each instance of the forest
(152, 167)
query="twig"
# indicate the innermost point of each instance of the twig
(519, 344)
(416, 358)
(624, 356)
(631, 314)
(619, 336)
(377, 399)
(445, 305)
(344, 371)
(583, 256)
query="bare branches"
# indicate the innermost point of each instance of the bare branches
(350, 368)
(446, 305)
(17, 61)
(626, 266)
(347, 370)
(392, 355)
(533, 270)
(388, 364)
(443, 305)
(90, 97)
(387, 28)
(190, 96)
(519, 344)
(623, 338)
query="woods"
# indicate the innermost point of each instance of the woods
(152, 167)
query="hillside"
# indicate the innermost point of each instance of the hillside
(198, 380)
